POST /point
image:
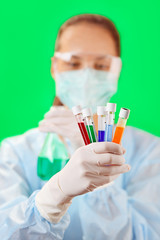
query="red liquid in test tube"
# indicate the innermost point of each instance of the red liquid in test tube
(84, 133)
(77, 111)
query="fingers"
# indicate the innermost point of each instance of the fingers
(58, 116)
(112, 170)
(58, 112)
(107, 147)
(97, 181)
(53, 129)
(57, 121)
(64, 131)
(108, 159)
(47, 128)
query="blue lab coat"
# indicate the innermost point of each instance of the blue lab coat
(128, 209)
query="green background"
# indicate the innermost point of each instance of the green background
(27, 35)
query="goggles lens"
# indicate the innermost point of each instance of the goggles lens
(72, 61)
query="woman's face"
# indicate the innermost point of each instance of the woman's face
(92, 41)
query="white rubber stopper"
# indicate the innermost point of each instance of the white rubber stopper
(101, 110)
(86, 112)
(111, 107)
(76, 110)
(124, 113)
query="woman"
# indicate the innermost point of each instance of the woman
(78, 202)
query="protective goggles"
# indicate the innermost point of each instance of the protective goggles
(68, 61)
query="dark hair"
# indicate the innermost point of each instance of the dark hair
(95, 19)
(89, 18)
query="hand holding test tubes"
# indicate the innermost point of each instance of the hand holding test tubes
(106, 118)
(104, 159)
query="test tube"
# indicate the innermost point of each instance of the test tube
(87, 115)
(77, 111)
(110, 118)
(123, 116)
(101, 123)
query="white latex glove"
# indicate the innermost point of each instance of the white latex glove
(61, 120)
(87, 169)
(51, 202)
(90, 166)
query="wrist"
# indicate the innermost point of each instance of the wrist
(51, 201)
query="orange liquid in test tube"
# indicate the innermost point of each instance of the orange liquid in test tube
(123, 116)
(118, 135)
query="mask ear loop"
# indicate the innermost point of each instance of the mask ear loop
(54, 65)
(54, 69)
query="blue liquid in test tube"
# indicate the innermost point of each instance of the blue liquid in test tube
(101, 136)
(101, 123)
(109, 135)
(110, 116)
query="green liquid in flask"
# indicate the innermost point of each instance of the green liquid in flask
(53, 157)
(46, 169)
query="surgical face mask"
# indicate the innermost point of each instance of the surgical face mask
(86, 87)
